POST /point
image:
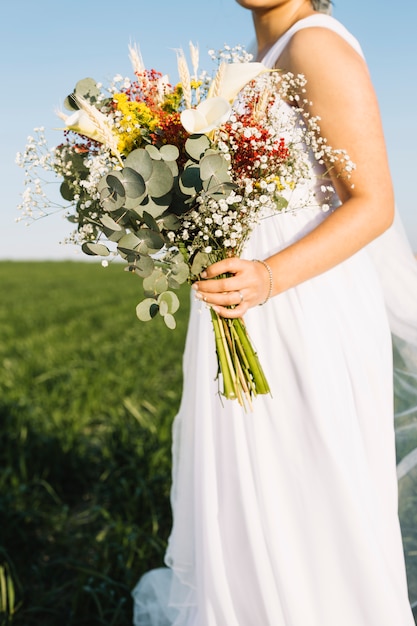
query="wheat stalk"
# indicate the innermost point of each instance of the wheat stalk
(261, 105)
(100, 121)
(217, 82)
(185, 80)
(194, 54)
(136, 59)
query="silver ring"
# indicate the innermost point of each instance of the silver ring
(241, 296)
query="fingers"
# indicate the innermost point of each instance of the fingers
(244, 286)
(223, 299)
(227, 296)
(226, 266)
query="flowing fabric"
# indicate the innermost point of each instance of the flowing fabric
(287, 515)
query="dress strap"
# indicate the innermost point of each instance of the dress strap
(317, 20)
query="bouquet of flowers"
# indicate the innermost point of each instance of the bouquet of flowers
(172, 178)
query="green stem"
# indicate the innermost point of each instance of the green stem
(261, 384)
(229, 380)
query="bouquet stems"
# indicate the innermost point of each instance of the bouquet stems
(242, 374)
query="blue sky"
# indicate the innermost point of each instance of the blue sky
(47, 46)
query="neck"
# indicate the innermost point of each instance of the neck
(271, 24)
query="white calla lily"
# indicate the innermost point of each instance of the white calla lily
(91, 123)
(235, 76)
(81, 123)
(207, 116)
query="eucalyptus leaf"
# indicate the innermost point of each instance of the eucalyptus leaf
(140, 161)
(112, 235)
(153, 152)
(95, 249)
(156, 206)
(217, 189)
(149, 283)
(170, 301)
(180, 273)
(67, 191)
(169, 152)
(161, 284)
(112, 202)
(196, 145)
(129, 242)
(200, 262)
(281, 203)
(152, 239)
(115, 183)
(213, 165)
(172, 283)
(150, 222)
(143, 249)
(189, 180)
(109, 222)
(147, 309)
(170, 321)
(133, 204)
(144, 266)
(161, 180)
(171, 221)
(87, 89)
(163, 308)
(70, 103)
(133, 183)
(156, 283)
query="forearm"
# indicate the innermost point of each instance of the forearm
(339, 236)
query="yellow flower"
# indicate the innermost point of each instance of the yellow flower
(135, 119)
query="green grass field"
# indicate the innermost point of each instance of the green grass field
(87, 397)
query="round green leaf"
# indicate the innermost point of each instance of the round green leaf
(161, 180)
(115, 183)
(212, 165)
(169, 152)
(196, 145)
(146, 309)
(170, 321)
(171, 222)
(129, 242)
(87, 88)
(140, 161)
(163, 309)
(153, 152)
(95, 249)
(155, 206)
(108, 222)
(133, 183)
(144, 266)
(153, 240)
(161, 284)
(70, 104)
(169, 302)
(200, 262)
(66, 191)
(190, 181)
(180, 274)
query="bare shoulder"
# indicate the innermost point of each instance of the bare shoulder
(341, 94)
(337, 75)
(319, 48)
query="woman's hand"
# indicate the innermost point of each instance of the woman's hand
(248, 286)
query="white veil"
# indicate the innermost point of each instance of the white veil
(397, 268)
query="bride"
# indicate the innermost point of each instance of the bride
(287, 515)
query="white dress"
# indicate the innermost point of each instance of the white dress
(287, 515)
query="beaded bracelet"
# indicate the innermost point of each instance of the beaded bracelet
(265, 264)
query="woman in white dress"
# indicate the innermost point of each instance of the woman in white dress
(287, 515)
